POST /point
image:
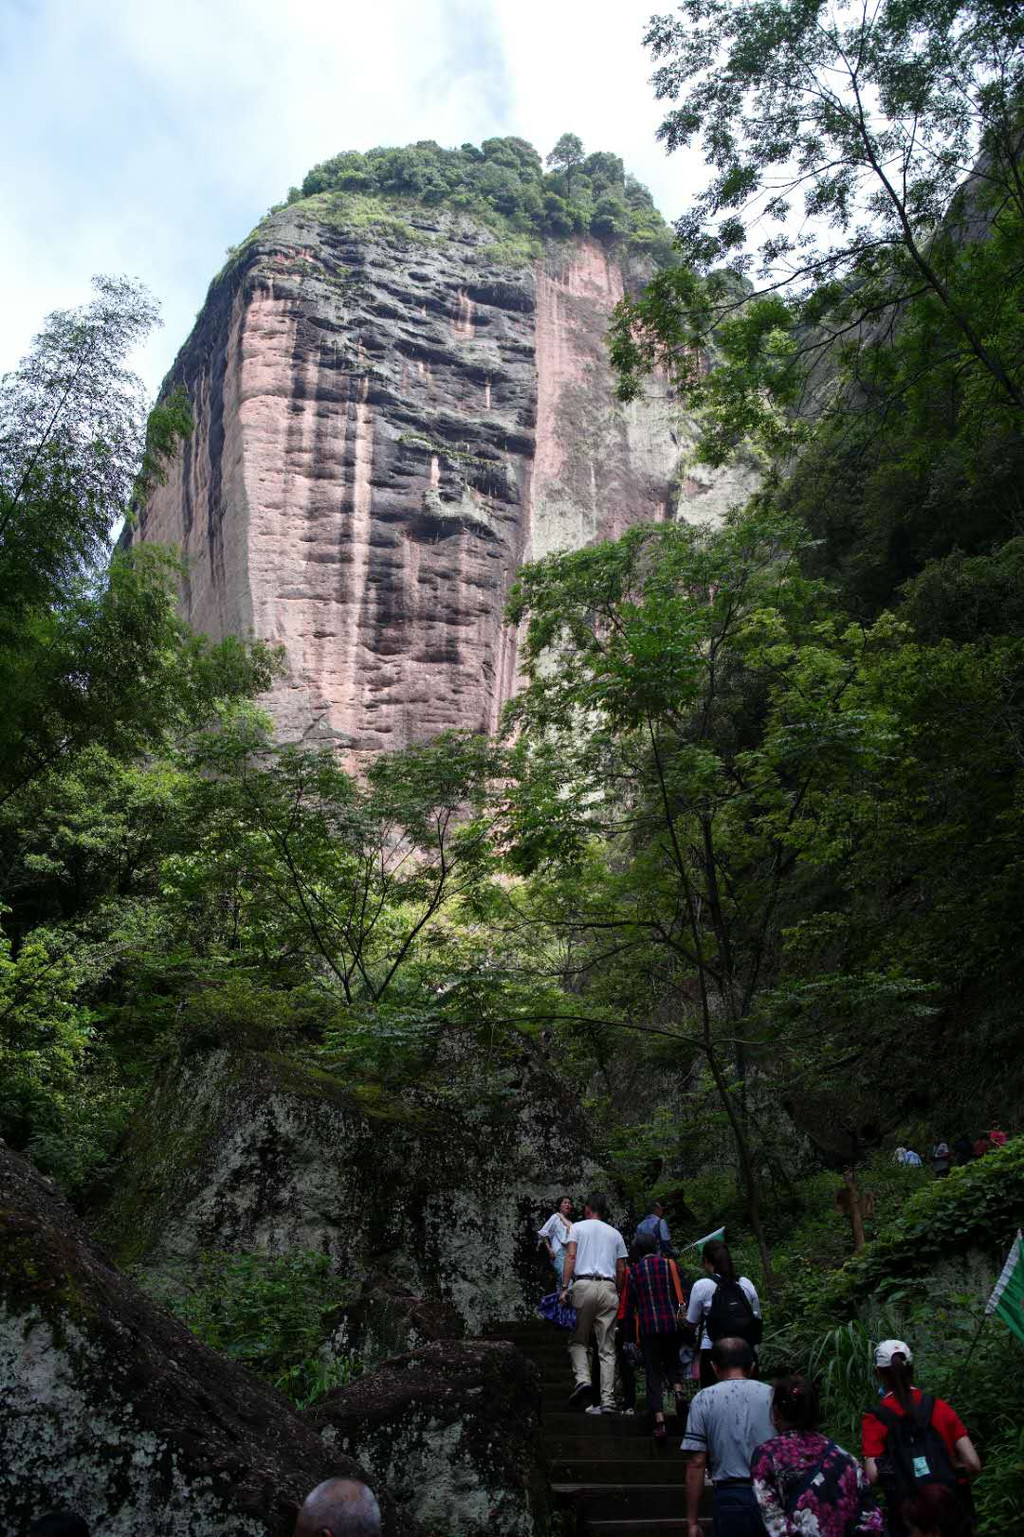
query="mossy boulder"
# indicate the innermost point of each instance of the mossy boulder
(452, 1428)
(247, 1150)
(109, 1403)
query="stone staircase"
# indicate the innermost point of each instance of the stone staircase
(606, 1472)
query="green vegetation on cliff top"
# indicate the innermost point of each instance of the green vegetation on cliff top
(504, 183)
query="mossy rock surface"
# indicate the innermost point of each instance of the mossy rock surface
(454, 1429)
(254, 1151)
(110, 1403)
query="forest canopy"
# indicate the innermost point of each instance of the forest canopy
(579, 194)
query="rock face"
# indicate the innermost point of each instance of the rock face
(393, 411)
(111, 1405)
(453, 1431)
(247, 1151)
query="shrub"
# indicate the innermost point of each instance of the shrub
(274, 1314)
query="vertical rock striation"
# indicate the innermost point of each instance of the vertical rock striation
(392, 414)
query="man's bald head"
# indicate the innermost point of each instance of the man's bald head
(340, 1507)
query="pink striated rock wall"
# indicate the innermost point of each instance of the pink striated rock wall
(390, 418)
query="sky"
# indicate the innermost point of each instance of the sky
(144, 137)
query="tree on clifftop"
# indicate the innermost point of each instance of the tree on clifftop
(566, 156)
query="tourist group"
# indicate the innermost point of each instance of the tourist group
(759, 1444)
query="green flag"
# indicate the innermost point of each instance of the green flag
(1007, 1297)
(718, 1233)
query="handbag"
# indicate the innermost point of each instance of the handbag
(681, 1320)
(557, 1312)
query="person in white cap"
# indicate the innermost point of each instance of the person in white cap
(913, 1439)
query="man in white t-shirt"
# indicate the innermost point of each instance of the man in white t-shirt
(595, 1269)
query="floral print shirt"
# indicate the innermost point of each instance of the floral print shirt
(839, 1505)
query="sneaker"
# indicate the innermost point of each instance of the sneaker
(580, 1394)
(627, 1411)
(599, 1409)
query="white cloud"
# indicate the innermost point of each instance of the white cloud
(145, 138)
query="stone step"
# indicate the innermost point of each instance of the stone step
(538, 1332)
(625, 1502)
(570, 1422)
(570, 1447)
(619, 1471)
(671, 1527)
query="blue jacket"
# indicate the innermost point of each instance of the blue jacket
(658, 1228)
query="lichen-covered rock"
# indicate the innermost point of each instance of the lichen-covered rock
(109, 1403)
(393, 410)
(245, 1150)
(453, 1431)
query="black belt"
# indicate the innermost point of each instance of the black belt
(733, 1483)
(590, 1276)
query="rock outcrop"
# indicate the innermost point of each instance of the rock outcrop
(394, 409)
(453, 1430)
(111, 1405)
(242, 1150)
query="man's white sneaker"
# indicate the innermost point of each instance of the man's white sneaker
(599, 1409)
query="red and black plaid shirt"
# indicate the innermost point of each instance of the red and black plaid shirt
(649, 1295)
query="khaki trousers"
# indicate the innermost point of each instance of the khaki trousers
(596, 1304)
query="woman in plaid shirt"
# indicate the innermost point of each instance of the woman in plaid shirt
(652, 1297)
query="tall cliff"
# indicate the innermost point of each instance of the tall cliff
(395, 406)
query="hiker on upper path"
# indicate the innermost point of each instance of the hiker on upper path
(722, 1304)
(912, 1439)
(941, 1158)
(653, 1294)
(805, 1485)
(725, 1426)
(595, 1269)
(554, 1235)
(655, 1225)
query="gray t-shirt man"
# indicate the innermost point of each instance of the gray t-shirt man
(727, 1422)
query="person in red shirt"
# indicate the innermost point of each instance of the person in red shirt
(893, 1361)
(997, 1136)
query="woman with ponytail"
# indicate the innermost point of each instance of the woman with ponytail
(722, 1305)
(805, 1485)
(913, 1440)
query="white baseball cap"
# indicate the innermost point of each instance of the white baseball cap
(889, 1348)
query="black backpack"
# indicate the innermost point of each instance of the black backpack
(824, 1477)
(731, 1315)
(914, 1454)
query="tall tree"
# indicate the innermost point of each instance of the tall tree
(92, 652)
(696, 744)
(837, 134)
(566, 156)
